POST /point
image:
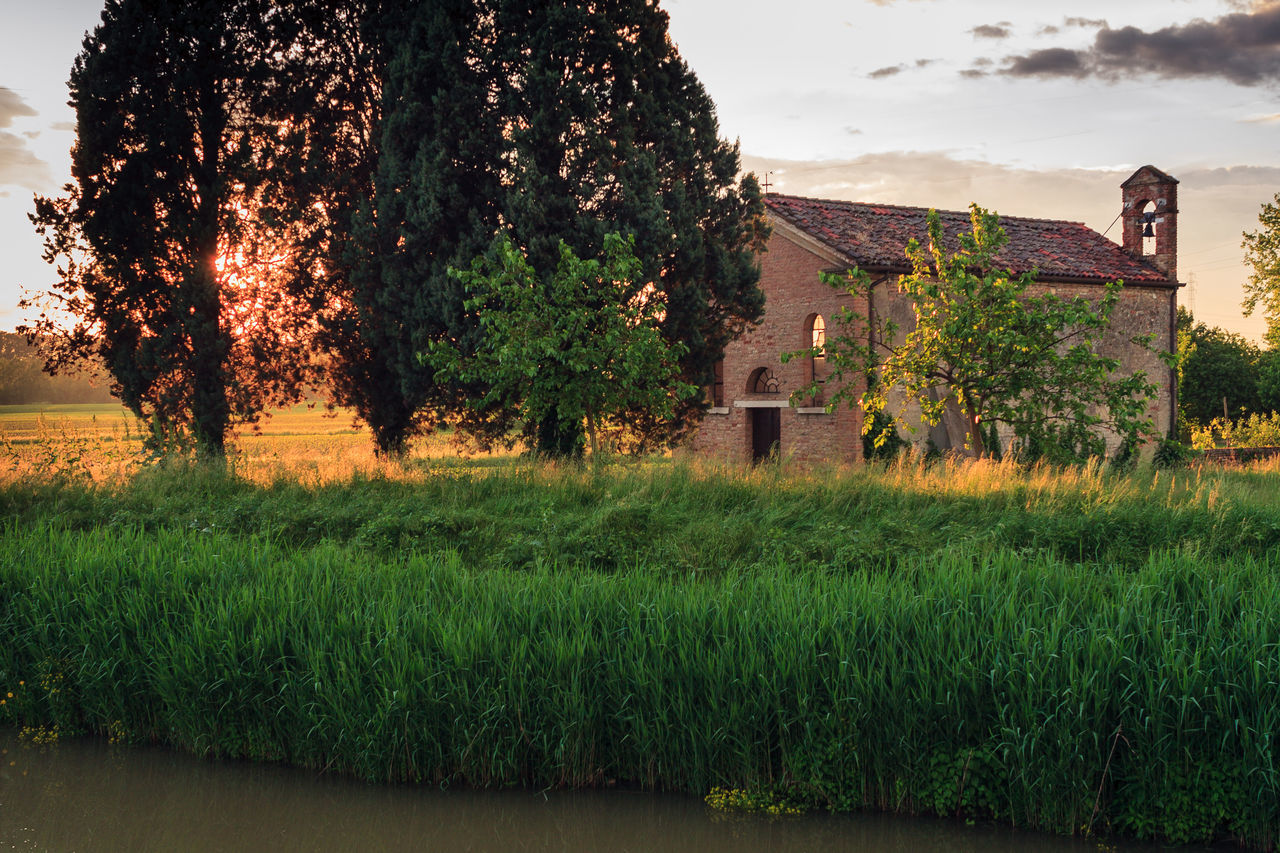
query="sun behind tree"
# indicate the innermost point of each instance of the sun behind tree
(167, 266)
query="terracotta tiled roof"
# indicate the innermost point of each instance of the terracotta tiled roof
(873, 236)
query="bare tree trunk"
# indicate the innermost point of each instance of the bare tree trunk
(591, 432)
(975, 431)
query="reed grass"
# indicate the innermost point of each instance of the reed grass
(1073, 650)
(997, 684)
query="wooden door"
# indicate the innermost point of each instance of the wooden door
(766, 432)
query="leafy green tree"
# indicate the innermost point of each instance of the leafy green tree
(558, 121)
(170, 276)
(1216, 366)
(611, 132)
(1262, 252)
(1269, 381)
(983, 344)
(582, 345)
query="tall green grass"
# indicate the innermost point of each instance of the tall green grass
(680, 518)
(983, 680)
(1064, 649)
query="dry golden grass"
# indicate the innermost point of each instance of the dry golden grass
(103, 443)
(312, 447)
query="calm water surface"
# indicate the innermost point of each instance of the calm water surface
(87, 795)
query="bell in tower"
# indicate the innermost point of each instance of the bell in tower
(1150, 199)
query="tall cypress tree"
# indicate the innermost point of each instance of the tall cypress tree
(609, 130)
(400, 182)
(428, 127)
(563, 120)
(168, 272)
(340, 102)
(438, 185)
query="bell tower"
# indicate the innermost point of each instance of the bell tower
(1150, 214)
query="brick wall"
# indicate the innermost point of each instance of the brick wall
(1141, 311)
(789, 277)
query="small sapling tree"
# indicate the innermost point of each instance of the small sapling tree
(983, 344)
(583, 345)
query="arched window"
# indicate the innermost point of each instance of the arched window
(815, 337)
(762, 381)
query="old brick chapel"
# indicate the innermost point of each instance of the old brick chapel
(751, 413)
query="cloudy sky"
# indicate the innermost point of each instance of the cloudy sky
(1032, 109)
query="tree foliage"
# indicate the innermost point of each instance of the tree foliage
(1254, 430)
(582, 345)
(560, 121)
(1218, 368)
(401, 180)
(1262, 252)
(609, 131)
(983, 344)
(264, 185)
(170, 277)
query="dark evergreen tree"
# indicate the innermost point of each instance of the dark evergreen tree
(552, 121)
(172, 277)
(340, 98)
(608, 130)
(238, 155)
(400, 182)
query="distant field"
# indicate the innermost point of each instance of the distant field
(303, 442)
(32, 423)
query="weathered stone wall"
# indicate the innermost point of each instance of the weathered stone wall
(1141, 311)
(789, 274)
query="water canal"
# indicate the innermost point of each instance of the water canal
(89, 795)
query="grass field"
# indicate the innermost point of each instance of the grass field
(105, 420)
(305, 442)
(24, 424)
(1073, 649)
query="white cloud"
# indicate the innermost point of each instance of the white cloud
(19, 166)
(12, 105)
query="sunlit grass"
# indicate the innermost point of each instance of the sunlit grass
(954, 637)
(29, 423)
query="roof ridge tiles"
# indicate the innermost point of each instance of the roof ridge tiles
(872, 234)
(914, 208)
